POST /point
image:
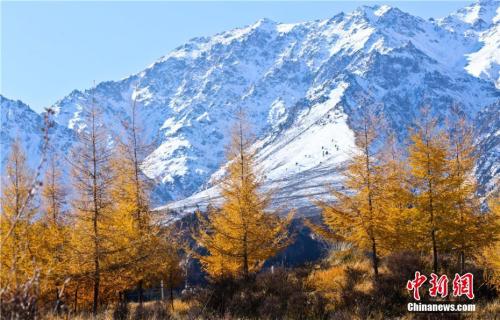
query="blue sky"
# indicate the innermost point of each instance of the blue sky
(50, 48)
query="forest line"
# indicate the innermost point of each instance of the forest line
(88, 243)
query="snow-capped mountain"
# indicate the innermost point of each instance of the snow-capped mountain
(18, 121)
(488, 166)
(477, 17)
(479, 24)
(301, 86)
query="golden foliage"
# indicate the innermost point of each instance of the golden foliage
(53, 232)
(466, 229)
(116, 242)
(335, 280)
(92, 238)
(490, 255)
(330, 282)
(357, 216)
(242, 234)
(447, 215)
(18, 259)
(397, 199)
(428, 162)
(425, 203)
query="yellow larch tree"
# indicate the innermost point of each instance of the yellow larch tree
(18, 259)
(242, 234)
(53, 233)
(91, 238)
(173, 274)
(357, 215)
(465, 230)
(397, 198)
(428, 154)
(490, 255)
(136, 233)
(167, 261)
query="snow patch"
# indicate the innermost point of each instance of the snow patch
(285, 27)
(381, 10)
(485, 63)
(161, 161)
(277, 113)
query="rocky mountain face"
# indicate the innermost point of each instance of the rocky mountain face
(19, 121)
(488, 167)
(302, 87)
(479, 24)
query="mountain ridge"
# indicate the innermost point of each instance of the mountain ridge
(298, 82)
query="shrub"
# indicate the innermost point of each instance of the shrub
(269, 295)
(19, 302)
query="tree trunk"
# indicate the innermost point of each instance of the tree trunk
(433, 234)
(172, 295)
(140, 289)
(434, 252)
(96, 205)
(374, 259)
(462, 261)
(431, 212)
(97, 271)
(370, 202)
(245, 257)
(96, 290)
(57, 307)
(75, 307)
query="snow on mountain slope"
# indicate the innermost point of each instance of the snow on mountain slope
(479, 23)
(319, 135)
(400, 67)
(477, 16)
(18, 121)
(301, 86)
(298, 163)
(488, 167)
(485, 62)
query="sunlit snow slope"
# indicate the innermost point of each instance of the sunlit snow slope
(301, 86)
